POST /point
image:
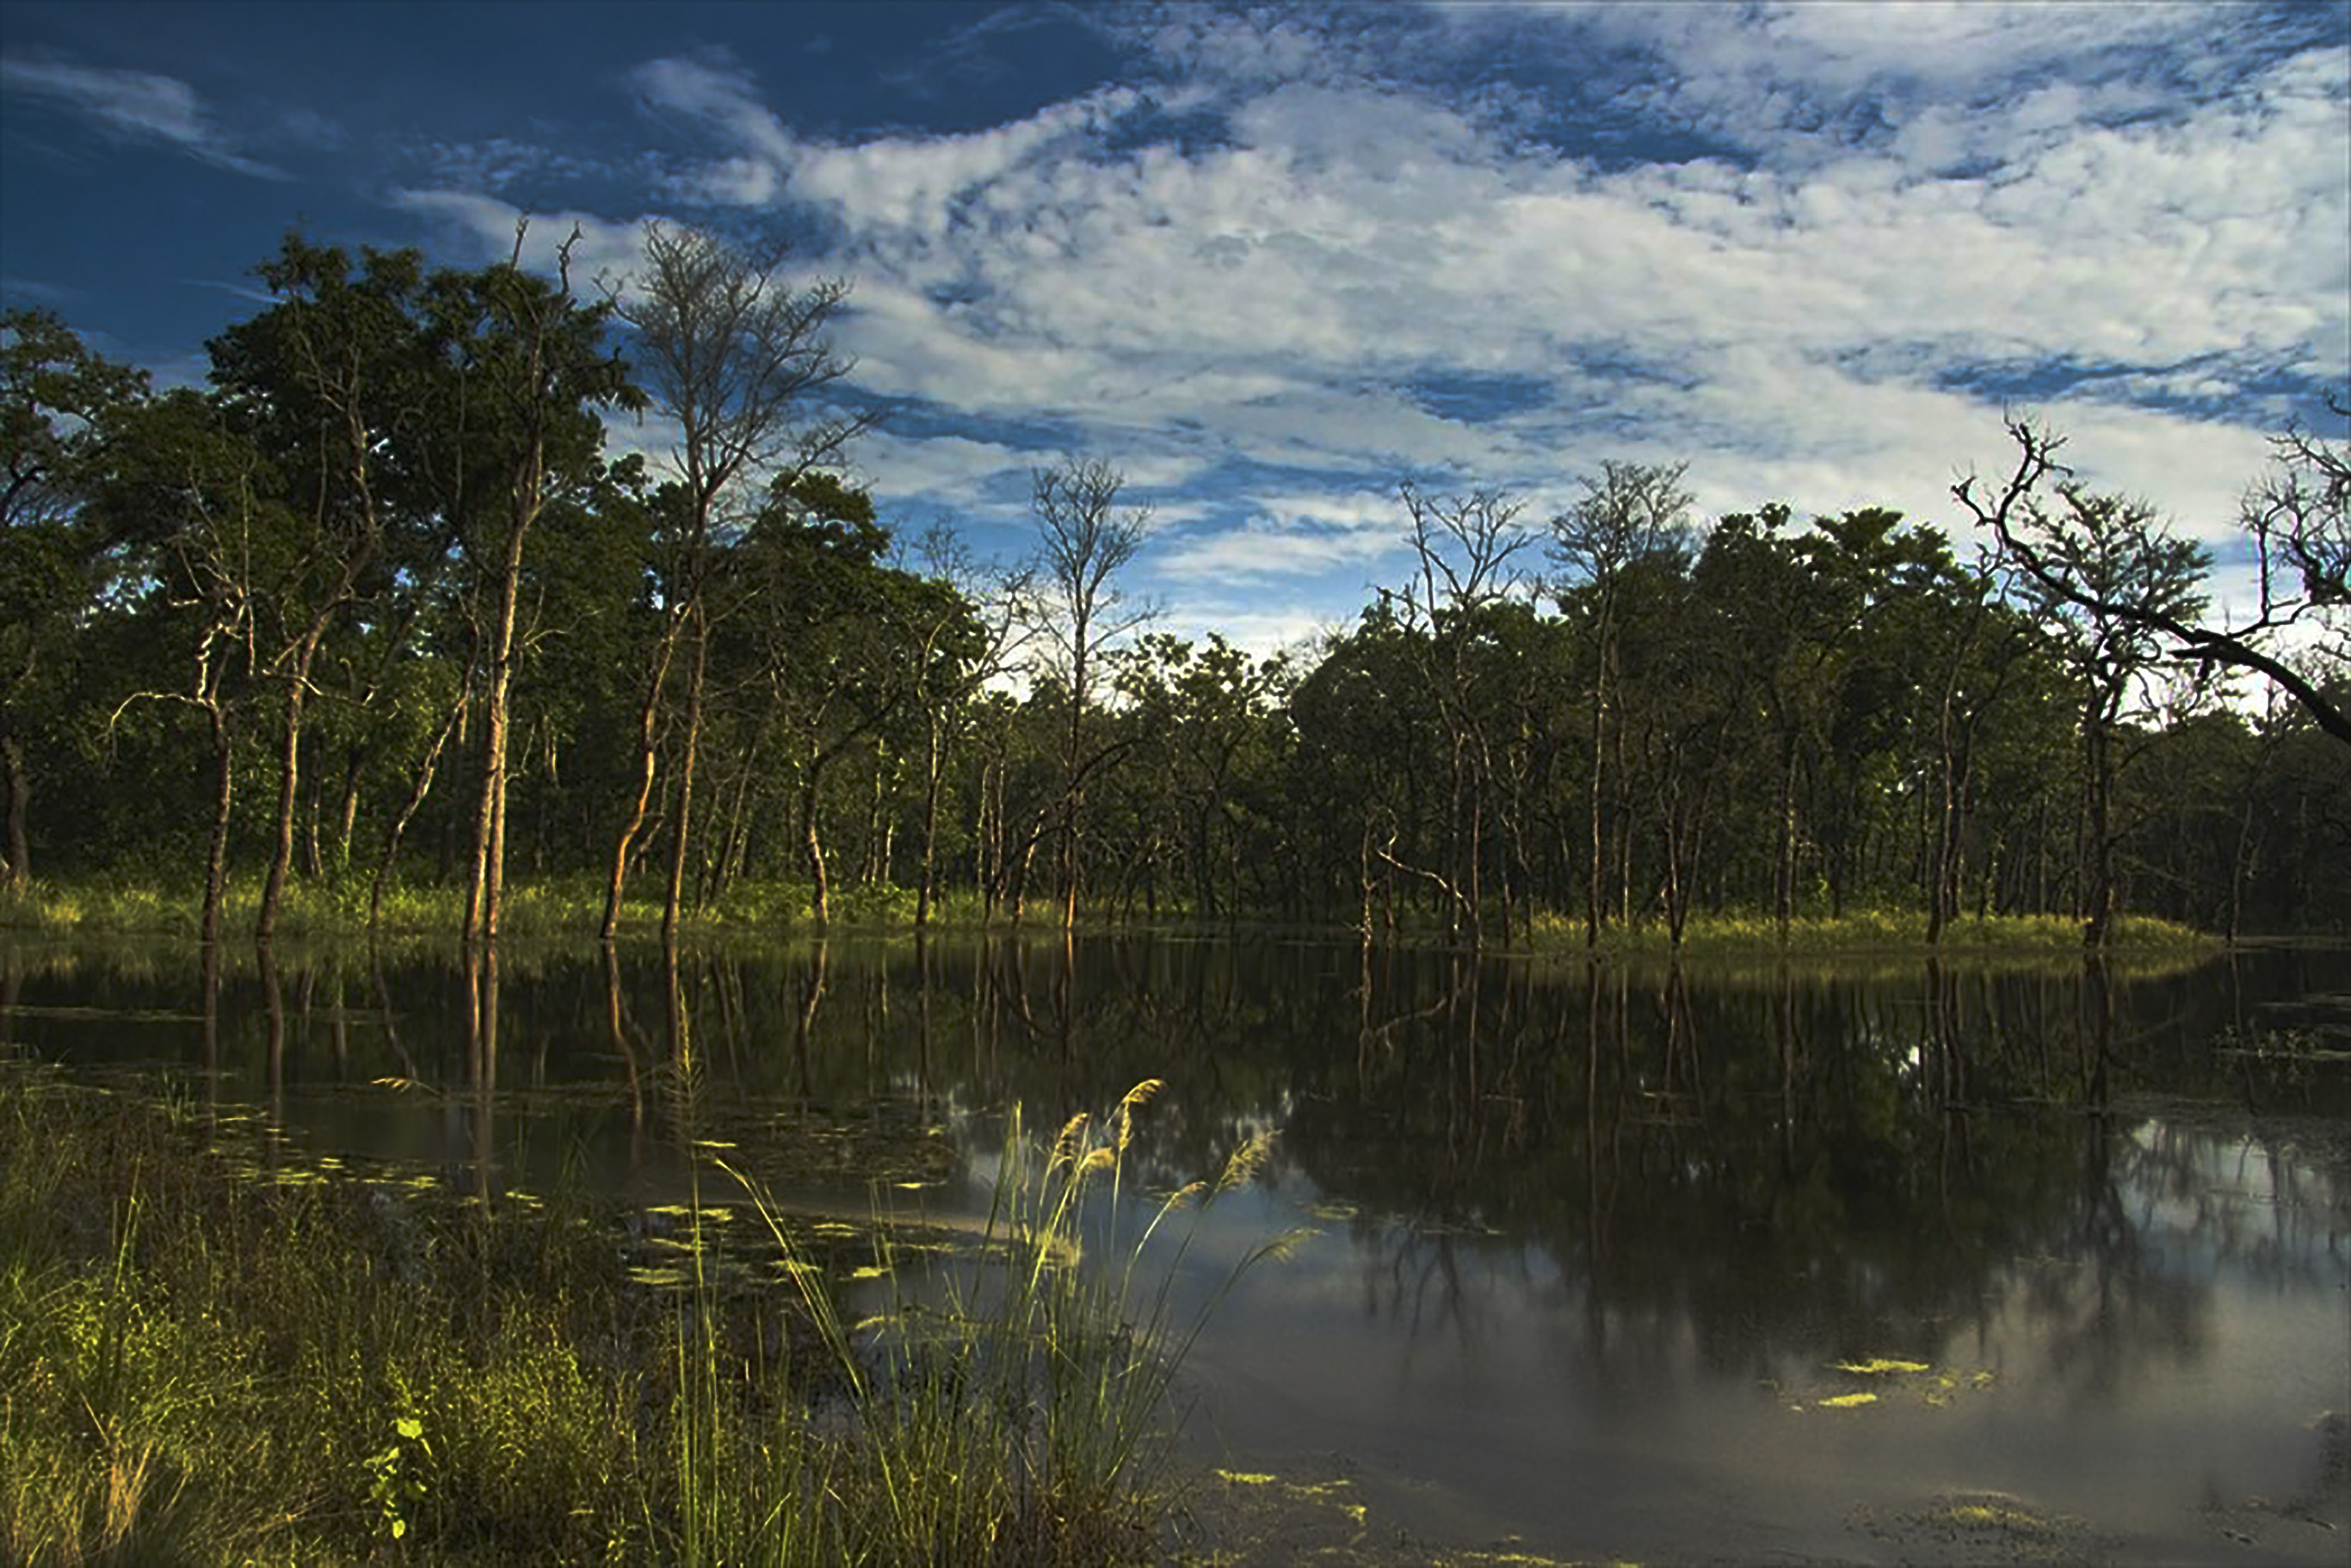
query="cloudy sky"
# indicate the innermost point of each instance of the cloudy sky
(1270, 262)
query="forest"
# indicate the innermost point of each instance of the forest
(377, 610)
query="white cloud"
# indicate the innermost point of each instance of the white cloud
(134, 104)
(605, 249)
(1930, 199)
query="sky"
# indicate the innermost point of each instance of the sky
(1273, 262)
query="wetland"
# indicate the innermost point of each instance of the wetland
(1863, 1260)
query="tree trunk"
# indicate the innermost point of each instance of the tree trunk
(223, 794)
(2098, 894)
(408, 810)
(648, 712)
(486, 887)
(683, 834)
(17, 869)
(934, 766)
(812, 845)
(289, 771)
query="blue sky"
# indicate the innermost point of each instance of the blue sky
(1270, 262)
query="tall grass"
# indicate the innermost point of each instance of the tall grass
(1004, 1406)
(199, 1363)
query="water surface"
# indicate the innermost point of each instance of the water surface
(1604, 1258)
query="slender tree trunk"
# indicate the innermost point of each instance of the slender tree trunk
(289, 773)
(648, 714)
(934, 764)
(683, 839)
(1598, 774)
(1783, 893)
(347, 810)
(224, 795)
(408, 810)
(812, 845)
(2099, 869)
(17, 781)
(484, 886)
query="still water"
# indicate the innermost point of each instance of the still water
(1880, 1263)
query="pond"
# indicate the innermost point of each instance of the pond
(1878, 1261)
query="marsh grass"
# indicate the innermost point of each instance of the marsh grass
(205, 1360)
(574, 907)
(1007, 1405)
(1866, 932)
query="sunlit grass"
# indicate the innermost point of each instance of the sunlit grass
(1863, 932)
(199, 1363)
(573, 907)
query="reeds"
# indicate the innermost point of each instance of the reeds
(203, 1362)
(1004, 1406)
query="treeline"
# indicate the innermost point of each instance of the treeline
(380, 607)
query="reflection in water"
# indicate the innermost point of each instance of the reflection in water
(1591, 1233)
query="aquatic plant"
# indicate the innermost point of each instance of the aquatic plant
(1003, 1405)
(212, 1352)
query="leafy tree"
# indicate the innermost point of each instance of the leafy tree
(1631, 515)
(528, 367)
(735, 359)
(57, 402)
(206, 505)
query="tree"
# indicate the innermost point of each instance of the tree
(2113, 585)
(2297, 524)
(991, 600)
(1632, 513)
(529, 366)
(328, 383)
(1084, 541)
(1206, 717)
(204, 504)
(1464, 549)
(735, 358)
(58, 400)
(845, 646)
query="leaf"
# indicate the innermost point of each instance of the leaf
(1880, 1366)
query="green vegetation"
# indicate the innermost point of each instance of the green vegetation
(106, 906)
(211, 1361)
(333, 646)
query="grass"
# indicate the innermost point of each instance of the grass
(1870, 931)
(574, 907)
(202, 1361)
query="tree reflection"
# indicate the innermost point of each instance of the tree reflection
(1765, 1163)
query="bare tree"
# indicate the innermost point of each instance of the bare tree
(2113, 583)
(1465, 551)
(997, 595)
(735, 357)
(1084, 540)
(2298, 520)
